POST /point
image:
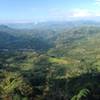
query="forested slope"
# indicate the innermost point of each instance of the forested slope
(63, 63)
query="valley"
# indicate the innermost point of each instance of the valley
(61, 62)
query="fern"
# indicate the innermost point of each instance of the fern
(82, 93)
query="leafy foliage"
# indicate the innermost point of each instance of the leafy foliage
(50, 63)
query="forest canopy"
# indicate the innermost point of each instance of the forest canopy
(61, 62)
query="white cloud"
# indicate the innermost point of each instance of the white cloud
(80, 13)
(97, 2)
(83, 13)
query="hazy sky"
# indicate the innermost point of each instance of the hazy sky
(48, 10)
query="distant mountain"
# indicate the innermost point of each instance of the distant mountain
(52, 24)
(44, 36)
(21, 25)
(14, 39)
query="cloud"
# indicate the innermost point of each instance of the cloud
(83, 13)
(74, 14)
(80, 13)
(69, 15)
(97, 2)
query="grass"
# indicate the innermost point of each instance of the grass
(58, 60)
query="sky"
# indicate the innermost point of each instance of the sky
(48, 10)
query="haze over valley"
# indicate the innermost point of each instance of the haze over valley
(50, 50)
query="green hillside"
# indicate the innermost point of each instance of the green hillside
(50, 63)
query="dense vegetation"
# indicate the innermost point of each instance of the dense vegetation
(50, 63)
